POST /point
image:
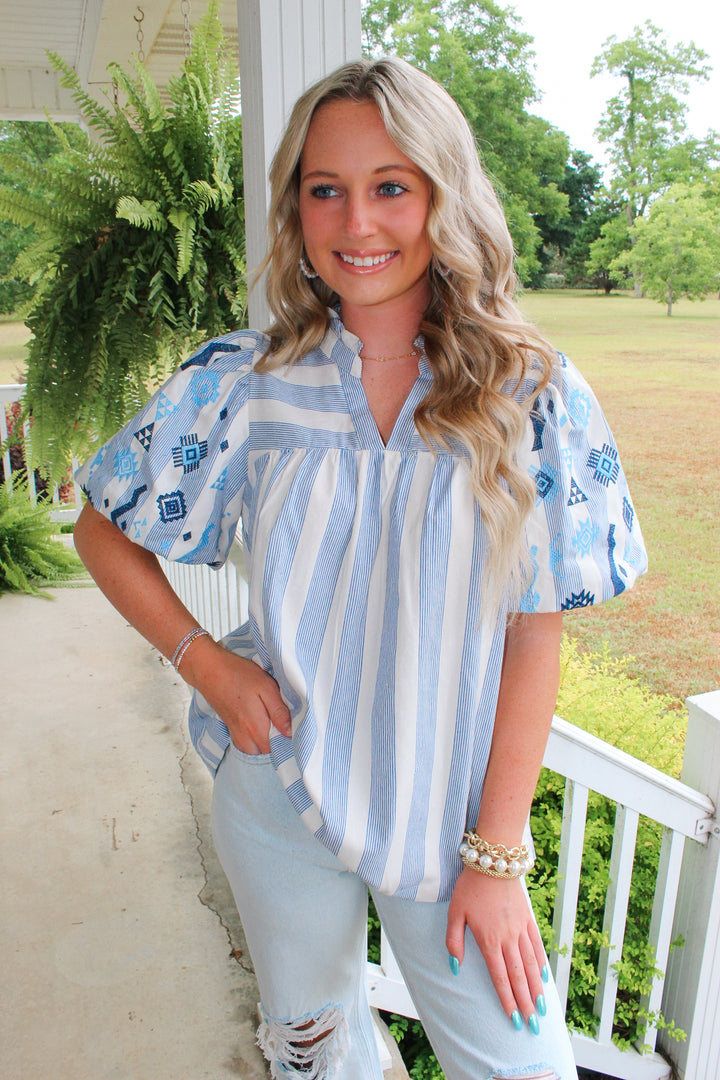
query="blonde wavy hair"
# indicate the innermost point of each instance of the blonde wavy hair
(478, 344)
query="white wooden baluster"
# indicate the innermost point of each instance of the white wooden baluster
(661, 923)
(3, 438)
(569, 866)
(616, 905)
(385, 983)
(30, 474)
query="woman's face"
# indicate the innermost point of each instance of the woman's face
(363, 209)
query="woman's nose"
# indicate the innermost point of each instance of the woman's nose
(359, 216)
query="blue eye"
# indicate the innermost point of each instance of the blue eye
(322, 191)
(391, 189)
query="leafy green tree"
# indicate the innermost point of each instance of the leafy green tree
(479, 53)
(580, 269)
(581, 184)
(140, 250)
(676, 249)
(644, 124)
(613, 241)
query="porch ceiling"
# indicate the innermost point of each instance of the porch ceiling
(87, 34)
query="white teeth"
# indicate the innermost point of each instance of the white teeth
(367, 260)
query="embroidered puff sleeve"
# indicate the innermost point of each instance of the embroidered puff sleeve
(584, 540)
(172, 479)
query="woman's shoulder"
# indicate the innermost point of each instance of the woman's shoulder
(563, 381)
(237, 351)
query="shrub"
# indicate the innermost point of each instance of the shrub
(598, 695)
(29, 556)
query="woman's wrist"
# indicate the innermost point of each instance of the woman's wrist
(494, 859)
(198, 659)
(186, 643)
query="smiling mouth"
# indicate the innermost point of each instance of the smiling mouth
(366, 260)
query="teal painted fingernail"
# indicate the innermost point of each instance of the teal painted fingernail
(517, 1021)
(540, 1005)
(534, 1024)
(545, 973)
(454, 964)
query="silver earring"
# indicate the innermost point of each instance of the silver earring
(306, 269)
(440, 268)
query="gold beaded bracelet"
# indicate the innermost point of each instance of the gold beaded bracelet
(495, 860)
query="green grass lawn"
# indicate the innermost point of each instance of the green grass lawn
(14, 337)
(658, 380)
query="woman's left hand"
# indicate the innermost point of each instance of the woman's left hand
(499, 916)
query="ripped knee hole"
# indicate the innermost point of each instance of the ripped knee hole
(309, 1046)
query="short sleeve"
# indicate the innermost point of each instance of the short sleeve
(172, 479)
(584, 541)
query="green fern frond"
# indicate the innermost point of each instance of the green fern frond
(25, 209)
(155, 106)
(185, 224)
(94, 114)
(145, 214)
(201, 196)
(174, 159)
(35, 258)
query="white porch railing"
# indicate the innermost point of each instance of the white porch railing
(10, 394)
(218, 600)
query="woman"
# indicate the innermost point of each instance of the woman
(423, 486)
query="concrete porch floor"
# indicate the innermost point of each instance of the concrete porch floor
(122, 954)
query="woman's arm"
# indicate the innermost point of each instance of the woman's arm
(245, 697)
(497, 910)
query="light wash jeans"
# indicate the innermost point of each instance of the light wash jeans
(305, 919)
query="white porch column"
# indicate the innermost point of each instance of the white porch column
(285, 45)
(692, 986)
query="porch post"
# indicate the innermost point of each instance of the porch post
(692, 986)
(285, 45)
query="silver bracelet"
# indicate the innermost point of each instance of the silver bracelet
(184, 645)
(495, 860)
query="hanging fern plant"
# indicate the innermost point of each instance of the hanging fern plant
(141, 244)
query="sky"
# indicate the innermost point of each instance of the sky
(568, 36)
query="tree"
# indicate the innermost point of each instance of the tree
(676, 249)
(613, 240)
(560, 238)
(644, 124)
(588, 263)
(478, 52)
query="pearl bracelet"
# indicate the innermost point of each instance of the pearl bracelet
(184, 645)
(494, 859)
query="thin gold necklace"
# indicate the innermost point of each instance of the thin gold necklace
(385, 359)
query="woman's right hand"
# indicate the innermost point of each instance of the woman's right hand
(244, 696)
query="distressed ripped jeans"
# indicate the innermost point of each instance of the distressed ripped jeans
(305, 919)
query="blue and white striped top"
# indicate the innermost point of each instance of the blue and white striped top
(365, 565)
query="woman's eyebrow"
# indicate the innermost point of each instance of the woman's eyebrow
(320, 172)
(381, 169)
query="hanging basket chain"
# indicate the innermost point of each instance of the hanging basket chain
(187, 34)
(140, 35)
